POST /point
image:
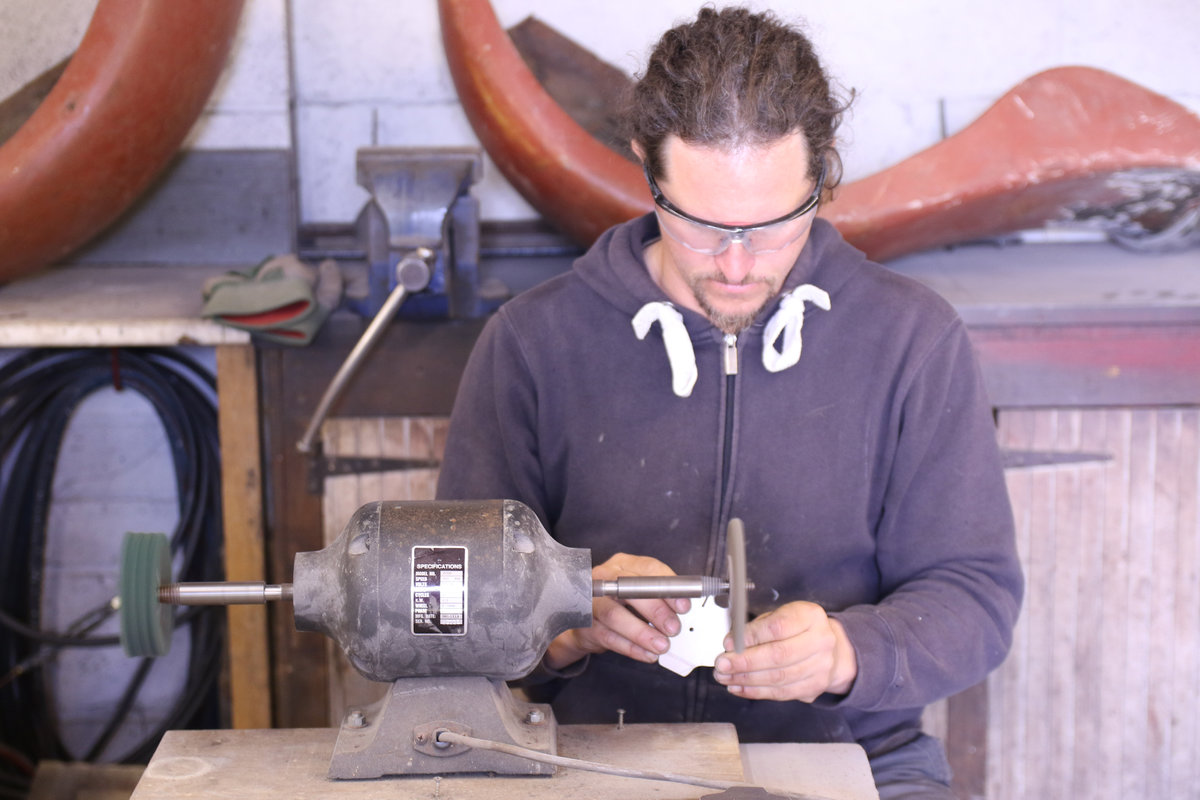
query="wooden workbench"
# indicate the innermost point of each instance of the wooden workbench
(158, 306)
(292, 763)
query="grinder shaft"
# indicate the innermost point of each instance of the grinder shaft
(638, 586)
(229, 593)
(223, 593)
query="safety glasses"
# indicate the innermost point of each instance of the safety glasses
(713, 238)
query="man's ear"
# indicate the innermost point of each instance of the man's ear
(637, 150)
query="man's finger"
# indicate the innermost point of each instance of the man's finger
(630, 635)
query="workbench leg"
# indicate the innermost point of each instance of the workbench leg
(242, 500)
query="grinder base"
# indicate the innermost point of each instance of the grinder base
(397, 735)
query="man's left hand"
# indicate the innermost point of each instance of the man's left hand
(796, 652)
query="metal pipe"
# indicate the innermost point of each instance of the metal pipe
(223, 593)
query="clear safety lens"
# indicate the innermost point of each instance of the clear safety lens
(700, 238)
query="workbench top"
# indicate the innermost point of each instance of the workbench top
(270, 764)
(86, 305)
(990, 285)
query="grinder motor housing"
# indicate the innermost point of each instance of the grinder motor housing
(415, 589)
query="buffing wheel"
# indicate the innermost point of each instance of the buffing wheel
(735, 548)
(146, 624)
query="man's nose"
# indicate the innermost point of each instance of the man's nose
(736, 262)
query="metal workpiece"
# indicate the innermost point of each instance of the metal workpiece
(224, 593)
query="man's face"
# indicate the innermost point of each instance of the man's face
(744, 186)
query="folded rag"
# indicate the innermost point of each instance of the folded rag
(280, 299)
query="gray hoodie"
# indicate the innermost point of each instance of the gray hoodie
(857, 447)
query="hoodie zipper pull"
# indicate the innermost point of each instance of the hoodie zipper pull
(731, 354)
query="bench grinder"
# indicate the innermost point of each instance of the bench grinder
(445, 600)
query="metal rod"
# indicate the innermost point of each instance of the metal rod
(412, 275)
(223, 593)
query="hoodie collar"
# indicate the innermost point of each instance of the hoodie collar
(615, 268)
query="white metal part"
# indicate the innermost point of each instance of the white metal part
(702, 635)
(700, 638)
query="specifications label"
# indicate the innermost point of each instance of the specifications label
(439, 590)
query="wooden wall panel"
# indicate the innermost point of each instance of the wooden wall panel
(1098, 698)
(383, 437)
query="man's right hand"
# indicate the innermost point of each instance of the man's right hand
(621, 625)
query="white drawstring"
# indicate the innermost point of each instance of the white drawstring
(788, 320)
(680, 354)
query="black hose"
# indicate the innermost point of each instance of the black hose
(39, 392)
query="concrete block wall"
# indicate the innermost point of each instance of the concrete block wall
(372, 72)
(335, 75)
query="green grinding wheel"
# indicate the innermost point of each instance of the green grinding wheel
(146, 624)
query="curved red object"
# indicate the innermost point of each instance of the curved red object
(1056, 142)
(1061, 141)
(562, 170)
(127, 100)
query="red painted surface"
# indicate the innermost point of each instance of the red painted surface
(1108, 348)
(127, 100)
(1090, 365)
(556, 165)
(1050, 144)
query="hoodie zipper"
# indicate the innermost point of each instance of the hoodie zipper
(730, 361)
(699, 688)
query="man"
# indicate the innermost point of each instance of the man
(664, 386)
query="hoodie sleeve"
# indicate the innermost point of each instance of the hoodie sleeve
(491, 449)
(951, 579)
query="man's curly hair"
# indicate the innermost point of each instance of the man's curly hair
(733, 78)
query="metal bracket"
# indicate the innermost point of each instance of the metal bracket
(1025, 459)
(321, 466)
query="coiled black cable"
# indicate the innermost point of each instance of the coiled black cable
(39, 392)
